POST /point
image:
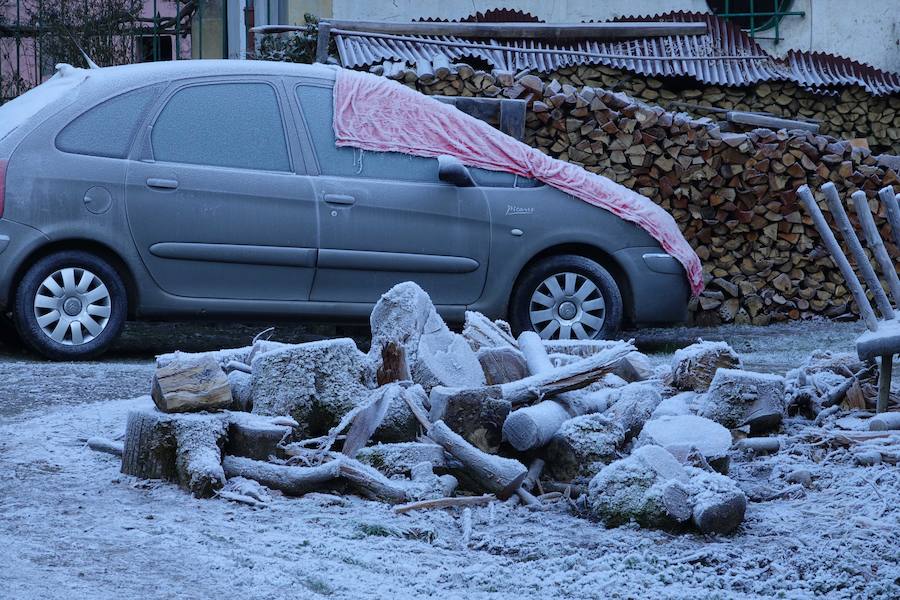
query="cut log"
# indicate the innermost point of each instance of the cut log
(241, 391)
(106, 446)
(502, 476)
(294, 481)
(694, 367)
(186, 449)
(399, 459)
(187, 384)
(738, 398)
(583, 446)
(477, 414)
(253, 436)
(502, 365)
(371, 483)
(886, 421)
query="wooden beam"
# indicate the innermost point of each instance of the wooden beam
(323, 42)
(769, 122)
(535, 31)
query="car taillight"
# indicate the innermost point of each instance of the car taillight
(3, 164)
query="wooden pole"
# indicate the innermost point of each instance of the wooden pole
(893, 214)
(323, 42)
(884, 382)
(859, 255)
(876, 244)
(837, 255)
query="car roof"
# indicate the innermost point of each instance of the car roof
(153, 72)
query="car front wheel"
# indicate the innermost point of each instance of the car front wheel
(70, 306)
(567, 297)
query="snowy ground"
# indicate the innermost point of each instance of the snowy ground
(71, 526)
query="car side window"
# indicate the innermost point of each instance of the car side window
(237, 125)
(317, 104)
(109, 128)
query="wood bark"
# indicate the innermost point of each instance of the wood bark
(393, 366)
(183, 448)
(294, 481)
(503, 476)
(191, 384)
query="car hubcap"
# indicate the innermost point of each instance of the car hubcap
(567, 306)
(72, 306)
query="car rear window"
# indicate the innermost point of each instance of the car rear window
(236, 125)
(109, 128)
(318, 112)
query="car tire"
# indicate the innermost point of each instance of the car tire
(567, 297)
(70, 306)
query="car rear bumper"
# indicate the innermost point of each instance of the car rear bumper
(657, 284)
(17, 242)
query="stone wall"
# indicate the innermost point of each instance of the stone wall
(732, 194)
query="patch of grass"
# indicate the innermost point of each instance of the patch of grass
(318, 586)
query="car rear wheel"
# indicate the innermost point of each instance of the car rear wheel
(567, 297)
(70, 306)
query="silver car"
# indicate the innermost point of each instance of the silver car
(194, 189)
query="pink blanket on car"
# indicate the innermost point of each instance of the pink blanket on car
(373, 113)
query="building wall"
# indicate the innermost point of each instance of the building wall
(865, 31)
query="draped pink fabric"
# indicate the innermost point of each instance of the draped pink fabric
(373, 113)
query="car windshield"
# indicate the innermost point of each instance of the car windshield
(59, 87)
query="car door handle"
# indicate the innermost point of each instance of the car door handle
(340, 199)
(162, 184)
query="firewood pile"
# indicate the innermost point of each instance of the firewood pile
(429, 418)
(732, 194)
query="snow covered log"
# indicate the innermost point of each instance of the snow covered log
(649, 486)
(294, 481)
(682, 434)
(885, 422)
(477, 414)
(583, 446)
(632, 406)
(694, 367)
(404, 315)
(503, 476)
(254, 436)
(190, 384)
(482, 333)
(736, 398)
(534, 426)
(241, 391)
(400, 458)
(502, 365)
(183, 448)
(315, 383)
(574, 376)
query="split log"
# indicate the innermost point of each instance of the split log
(294, 481)
(182, 448)
(477, 414)
(481, 332)
(503, 476)
(570, 377)
(502, 365)
(188, 384)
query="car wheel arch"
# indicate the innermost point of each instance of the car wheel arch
(595, 253)
(83, 245)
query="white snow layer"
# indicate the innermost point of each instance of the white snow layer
(71, 526)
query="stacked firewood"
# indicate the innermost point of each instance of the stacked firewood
(732, 194)
(430, 418)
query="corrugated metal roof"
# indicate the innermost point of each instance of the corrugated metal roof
(725, 56)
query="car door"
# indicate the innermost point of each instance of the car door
(215, 206)
(387, 218)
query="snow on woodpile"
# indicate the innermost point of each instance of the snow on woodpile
(414, 424)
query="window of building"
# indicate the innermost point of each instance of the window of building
(236, 125)
(755, 16)
(109, 128)
(157, 48)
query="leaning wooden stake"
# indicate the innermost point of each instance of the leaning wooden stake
(892, 208)
(856, 249)
(831, 243)
(876, 244)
